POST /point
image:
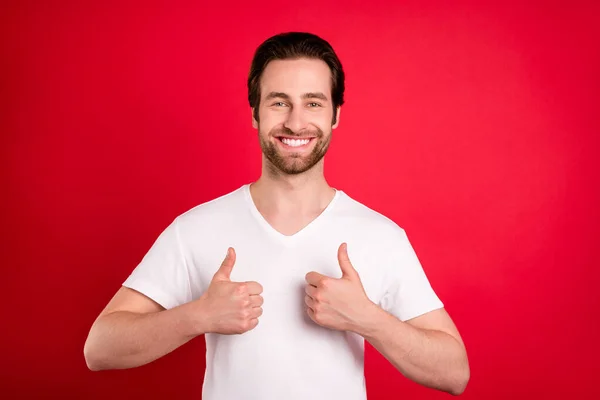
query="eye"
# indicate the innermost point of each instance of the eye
(280, 104)
(313, 104)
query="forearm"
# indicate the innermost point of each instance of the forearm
(125, 340)
(432, 358)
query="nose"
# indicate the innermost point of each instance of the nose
(296, 120)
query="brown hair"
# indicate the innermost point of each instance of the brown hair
(292, 45)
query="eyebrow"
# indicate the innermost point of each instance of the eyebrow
(309, 95)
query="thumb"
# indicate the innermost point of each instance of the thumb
(348, 270)
(224, 271)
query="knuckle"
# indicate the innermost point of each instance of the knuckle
(252, 323)
(318, 317)
(241, 288)
(318, 309)
(249, 324)
(244, 326)
(317, 296)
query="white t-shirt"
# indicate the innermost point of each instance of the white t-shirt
(287, 356)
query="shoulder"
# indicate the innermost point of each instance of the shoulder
(218, 210)
(368, 220)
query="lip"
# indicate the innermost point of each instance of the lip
(294, 137)
(295, 148)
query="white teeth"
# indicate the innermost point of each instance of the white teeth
(295, 142)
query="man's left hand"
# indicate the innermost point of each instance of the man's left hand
(340, 304)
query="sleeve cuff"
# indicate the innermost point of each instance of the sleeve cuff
(410, 314)
(151, 291)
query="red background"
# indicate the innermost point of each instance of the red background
(473, 126)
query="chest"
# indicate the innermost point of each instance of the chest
(290, 224)
(281, 269)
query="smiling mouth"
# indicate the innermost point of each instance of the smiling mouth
(295, 142)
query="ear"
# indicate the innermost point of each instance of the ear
(337, 118)
(254, 121)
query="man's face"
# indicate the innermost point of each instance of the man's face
(295, 114)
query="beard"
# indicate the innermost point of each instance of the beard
(294, 163)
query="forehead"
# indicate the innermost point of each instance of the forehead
(295, 77)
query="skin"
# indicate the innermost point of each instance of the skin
(133, 330)
(292, 189)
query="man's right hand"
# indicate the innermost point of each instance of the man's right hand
(230, 307)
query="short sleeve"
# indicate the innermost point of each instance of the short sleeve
(408, 291)
(162, 275)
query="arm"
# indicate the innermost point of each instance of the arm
(134, 330)
(427, 349)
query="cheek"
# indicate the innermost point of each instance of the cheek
(323, 119)
(265, 128)
(323, 122)
(270, 119)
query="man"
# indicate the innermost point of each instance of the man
(286, 276)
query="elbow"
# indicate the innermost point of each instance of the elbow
(460, 382)
(91, 366)
(92, 357)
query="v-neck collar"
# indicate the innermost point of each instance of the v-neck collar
(287, 239)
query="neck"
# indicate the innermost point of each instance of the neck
(278, 193)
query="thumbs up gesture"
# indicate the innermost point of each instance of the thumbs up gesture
(231, 307)
(337, 303)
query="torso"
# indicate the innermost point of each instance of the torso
(287, 355)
